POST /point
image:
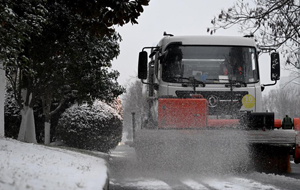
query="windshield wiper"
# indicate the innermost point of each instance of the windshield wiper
(236, 83)
(195, 83)
(175, 79)
(190, 80)
(171, 79)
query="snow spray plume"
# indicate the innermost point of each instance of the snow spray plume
(196, 151)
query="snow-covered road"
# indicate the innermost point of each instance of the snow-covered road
(127, 173)
(205, 183)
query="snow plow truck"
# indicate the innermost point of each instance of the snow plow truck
(207, 88)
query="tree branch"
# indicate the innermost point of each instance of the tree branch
(61, 102)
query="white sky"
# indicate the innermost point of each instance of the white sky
(178, 17)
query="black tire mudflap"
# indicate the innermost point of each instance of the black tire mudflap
(257, 120)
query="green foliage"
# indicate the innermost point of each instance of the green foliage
(60, 48)
(90, 63)
(12, 118)
(19, 21)
(97, 127)
(100, 16)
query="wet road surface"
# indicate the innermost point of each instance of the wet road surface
(127, 173)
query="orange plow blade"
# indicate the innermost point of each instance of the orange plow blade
(222, 122)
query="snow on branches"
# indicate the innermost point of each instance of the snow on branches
(274, 23)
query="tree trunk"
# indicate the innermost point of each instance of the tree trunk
(46, 102)
(47, 125)
(27, 128)
(2, 98)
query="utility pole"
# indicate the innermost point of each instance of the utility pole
(133, 126)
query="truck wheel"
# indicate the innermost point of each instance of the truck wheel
(271, 159)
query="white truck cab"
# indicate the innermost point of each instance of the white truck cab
(196, 84)
(224, 70)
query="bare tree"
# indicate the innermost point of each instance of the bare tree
(283, 102)
(133, 101)
(274, 23)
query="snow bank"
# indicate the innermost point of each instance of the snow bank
(33, 167)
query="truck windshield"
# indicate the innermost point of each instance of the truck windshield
(209, 64)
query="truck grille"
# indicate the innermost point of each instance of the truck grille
(219, 102)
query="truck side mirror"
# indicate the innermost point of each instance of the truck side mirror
(275, 66)
(142, 67)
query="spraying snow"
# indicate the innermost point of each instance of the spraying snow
(201, 151)
(128, 173)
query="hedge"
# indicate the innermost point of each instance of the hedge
(91, 127)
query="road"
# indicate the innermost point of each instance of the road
(127, 173)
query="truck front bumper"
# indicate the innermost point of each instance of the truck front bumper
(275, 137)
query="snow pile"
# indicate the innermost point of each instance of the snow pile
(31, 166)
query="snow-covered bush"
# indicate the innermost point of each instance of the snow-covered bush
(91, 127)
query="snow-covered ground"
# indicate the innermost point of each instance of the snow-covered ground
(35, 167)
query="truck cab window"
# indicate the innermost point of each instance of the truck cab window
(210, 64)
(172, 64)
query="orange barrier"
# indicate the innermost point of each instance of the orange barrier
(182, 113)
(277, 123)
(296, 124)
(297, 148)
